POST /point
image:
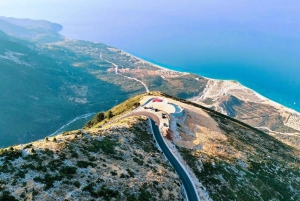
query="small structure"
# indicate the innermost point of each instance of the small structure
(157, 100)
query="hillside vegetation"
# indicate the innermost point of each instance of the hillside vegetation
(238, 162)
(103, 117)
(119, 161)
(116, 163)
(46, 85)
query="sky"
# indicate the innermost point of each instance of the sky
(168, 25)
(245, 40)
(132, 17)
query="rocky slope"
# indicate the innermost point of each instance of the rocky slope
(118, 162)
(234, 161)
(237, 101)
(227, 159)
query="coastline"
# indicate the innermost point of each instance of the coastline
(262, 97)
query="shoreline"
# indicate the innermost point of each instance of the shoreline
(276, 104)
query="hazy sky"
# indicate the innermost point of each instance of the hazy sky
(158, 30)
(168, 26)
(131, 17)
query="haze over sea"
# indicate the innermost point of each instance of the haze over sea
(256, 43)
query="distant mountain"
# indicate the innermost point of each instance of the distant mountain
(33, 24)
(36, 30)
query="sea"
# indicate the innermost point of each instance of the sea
(255, 43)
(272, 71)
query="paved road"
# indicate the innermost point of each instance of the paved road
(190, 191)
(150, 115)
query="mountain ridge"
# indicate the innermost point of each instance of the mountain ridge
(36, 30)
(227, 158)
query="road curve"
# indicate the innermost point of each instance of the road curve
(189, 187)
(146, 114)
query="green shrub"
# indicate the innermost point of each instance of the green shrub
(20, 174)
(138, 161)
(106, 193)
(47, 152)
(54, 164)
(113, 173)
(77, 184)
(85, 164)
(131, 174)
(92, 158)
(110, 114)
(28, 146)
(66, 182)
(34, 192)
(41, 168)
(10, 154)
(106, 145)
(38, 179)
(49, 180)
(67, 171)
(101, 117)
(23, 195)
(144, 194)
(6, 196)
(89, 188)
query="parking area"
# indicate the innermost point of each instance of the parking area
(159, 107)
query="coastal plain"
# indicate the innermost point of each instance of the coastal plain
(92, 76)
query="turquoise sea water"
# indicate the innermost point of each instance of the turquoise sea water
(270, 65)
(253, 42)
(280, 84)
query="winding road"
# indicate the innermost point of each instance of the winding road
(131, 78)
(157, 122)
(188, 185)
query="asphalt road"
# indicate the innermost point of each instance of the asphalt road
(190, 191)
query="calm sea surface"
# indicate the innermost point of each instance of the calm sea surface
(256, 43)
(271, 67)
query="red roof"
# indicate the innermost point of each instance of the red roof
(157, 100)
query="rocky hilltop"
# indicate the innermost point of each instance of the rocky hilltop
(117, 159)
(118, 162)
